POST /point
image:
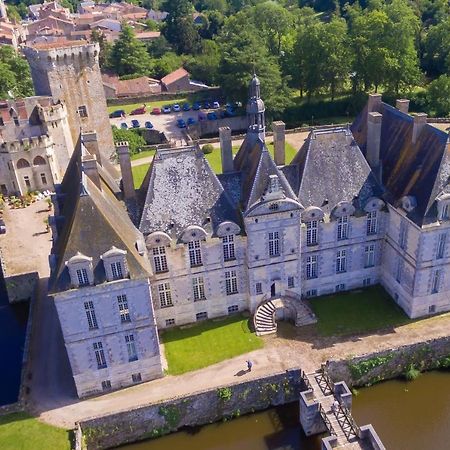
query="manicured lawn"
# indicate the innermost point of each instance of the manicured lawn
(19, 431)
(358, 311)
(143, 154)
(208, 343)
(139, 173)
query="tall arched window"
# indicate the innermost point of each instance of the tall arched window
(22, 163)
(39, 161)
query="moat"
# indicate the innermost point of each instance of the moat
(411, 416)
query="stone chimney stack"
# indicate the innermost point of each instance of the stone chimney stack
(226, 149)
(374, 102)
(89, 167)
(123, 151)
(374, 120)
(402, 104)
(279, 142)
(420, 120)
(90, 141)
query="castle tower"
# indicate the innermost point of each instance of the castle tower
(70, 72)
(256, 109)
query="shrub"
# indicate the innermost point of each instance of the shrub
(412, 373)
(207, 148)
(224, 393)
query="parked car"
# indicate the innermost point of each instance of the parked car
(196, 106)
(2, 226)
(135, 123)
(117, 113)
(123, 125)
(176, 108)
(201, 116)
(156, 111)
(191, 121)
(216, 105)
(181, 123)
(148, 125)
(206, 105)
(186, 107)
(229, 112)
(211, 116)
(166, 109)
(137, 111)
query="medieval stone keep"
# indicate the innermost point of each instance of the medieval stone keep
(357, 206)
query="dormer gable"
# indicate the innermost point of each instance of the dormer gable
(80, 270)
(343, 209)
(274, 189)
(443, 206)
(115, 264)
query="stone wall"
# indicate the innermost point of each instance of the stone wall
(21, 287)
(372, 368)
(192, 410)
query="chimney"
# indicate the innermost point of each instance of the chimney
(279, 142)
(374, 102)
(123, 152)
(90, 141)
(420, 120)
(402, 104)
(226, 149)
(89, 167)
(373, 139)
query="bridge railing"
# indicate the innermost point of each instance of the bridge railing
(326, 420)
(348, 424)
(305, 380)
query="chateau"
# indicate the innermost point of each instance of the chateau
(357, 206)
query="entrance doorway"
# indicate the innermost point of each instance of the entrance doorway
(272, 290)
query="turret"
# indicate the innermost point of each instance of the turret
(256, 109)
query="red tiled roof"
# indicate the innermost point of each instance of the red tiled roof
(175, 76)
(148, 34)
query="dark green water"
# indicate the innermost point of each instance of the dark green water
(407, 416)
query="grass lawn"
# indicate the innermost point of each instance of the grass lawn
(143, 154)
(358, 311)
(208, 343)
(139, 173)
(19, 431)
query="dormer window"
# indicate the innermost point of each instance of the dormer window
(444, 212)
(115, 264)
(80, 270)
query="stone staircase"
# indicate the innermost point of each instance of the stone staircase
(264, 318)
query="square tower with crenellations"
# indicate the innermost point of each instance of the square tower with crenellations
(70, 72)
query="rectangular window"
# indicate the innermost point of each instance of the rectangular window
(366, 282)
(90, 314)
(117, 271)
(372, 223)
(340, 287)
(170, 322)
(201, 316)
(198, 288)
(160, 259)
(136, 377)
(43, 178)
(311, 232)
(436, 281)
(402, 235)
(398, 274)
(123, 308)
(82, 277)
(311, 267)
(26, 178)
(131, 347)
(231, 282)
(233, 309)
(274, 244)
(165, 296)
(258, 288)
(195, 253)
(106, 385)
(369, 252)
(82, 111)
(311, 293)
(342, 228)
(16, 121)
(291, 282)
(444, 212)
(432, 309)
(99, 355)
(228, 248)
(440, 251)
(341, 261)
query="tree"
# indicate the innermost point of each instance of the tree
(166, 64)
(134, 139)
(15, 75)
(129, 55)
(438, 96)
(179, 28)
(105, 47)
(436, 60)
(205, 65)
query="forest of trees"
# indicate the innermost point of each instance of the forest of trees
(301, 50)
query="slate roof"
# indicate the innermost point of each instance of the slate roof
(94, 221)
(180, 189)
(421, 169)
(332, 169)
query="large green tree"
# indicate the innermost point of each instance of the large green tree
(105, 47)
(438, 96)
(436, 45)
(129, 55)
(15, 78)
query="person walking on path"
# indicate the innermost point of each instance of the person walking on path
(249, 366)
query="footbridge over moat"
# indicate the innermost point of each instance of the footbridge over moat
(326, 407)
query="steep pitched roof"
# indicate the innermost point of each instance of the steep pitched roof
(419, 169)
(180, 189)
(332, 169)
